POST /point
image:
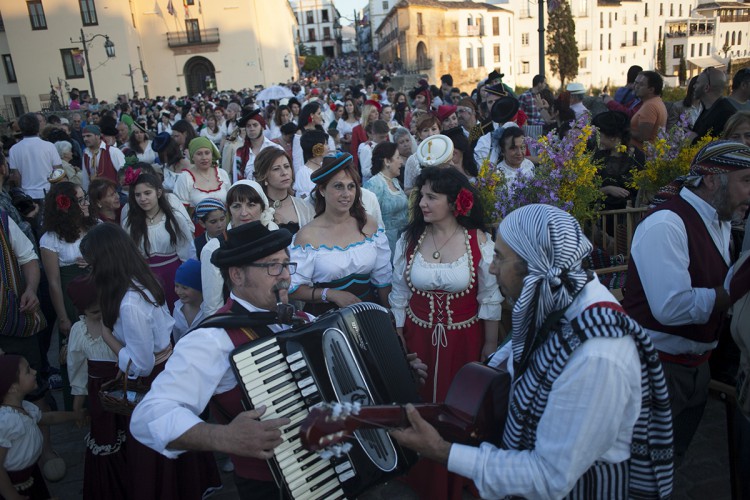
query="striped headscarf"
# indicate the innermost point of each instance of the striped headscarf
(553, 245)
(208, 205)
(718, 157)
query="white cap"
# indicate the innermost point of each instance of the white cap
(434, 151)
(575, 88)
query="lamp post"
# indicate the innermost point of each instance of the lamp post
(109, 48)
(132, 70)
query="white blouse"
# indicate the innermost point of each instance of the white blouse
(144, 330)
(526, 169)
(159, 239)
(191, 195)
(303, 185)
(181, 326)
(411, 172)
(319, 265)
(344, 127)
(215, 138)
(21, 434)
(67, 253)
(148, 155)
(450, 276)
(81, 348)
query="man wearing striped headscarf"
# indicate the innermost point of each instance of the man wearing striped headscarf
(679, 260)
(589, 410)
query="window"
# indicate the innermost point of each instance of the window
(733, 38)
(645, 12)
(610, 19)
(10, 71)
(309, 17)
(326, 19)
(645, 35)
(661, 9)
(496, 53)
(726, 42)
(480, 57)
(525, 39)
(420, 24)
(739, 38)
(660, 33)
(623, 60)
(326, 33)
(525, 68)
(193, 31)
(601, 41)
(469, 58)
(495, 26)
(692, 49)
(72, 59)
(470, 21)
(88, 12)
(671, 10)
(189, 2)
(601, 19)
(678, 51)
(680, 10)
(700, 49)
(582, 62)
(609, 41)
(385, 6)
(311, 35)
(36, 15)
(635, 38)
(708, 49)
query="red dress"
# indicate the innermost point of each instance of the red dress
(444, 330)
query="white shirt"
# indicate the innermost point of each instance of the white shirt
(117, 157)
(81, 348)
(21, 434)
(411, 172)
(148, 155)
(526, 168)
(579, 109)
(181, 325)
(67, 253)
(159, 239)
(190, 195)
(249, 167)
(144, 330)
(211, 280)
(215, 138)
(23, 248)
(303, 184)
(483, 149)
(660, 251)
(590, 415)
(298, 157)
(198, 368)
(34, 159)
(364, 152)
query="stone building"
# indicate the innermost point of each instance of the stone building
(318, 26)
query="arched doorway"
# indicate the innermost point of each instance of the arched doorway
(199, 75)
(422, 59)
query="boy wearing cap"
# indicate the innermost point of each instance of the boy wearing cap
(211, 214)
(188, 310)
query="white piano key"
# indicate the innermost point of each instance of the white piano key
(251, 352)
(294, 357)
(311, 478)
(274, 386)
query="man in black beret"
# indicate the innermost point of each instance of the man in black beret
(254, 262)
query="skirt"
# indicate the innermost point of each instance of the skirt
(68, 274)
(29, 482)
(165, 268)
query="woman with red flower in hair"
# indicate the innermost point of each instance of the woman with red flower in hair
(66, 221)
(445, 301)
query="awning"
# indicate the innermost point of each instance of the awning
(706, 62)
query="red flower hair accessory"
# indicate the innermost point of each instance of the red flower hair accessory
(63, 202)
(464, 202)
(131, 175)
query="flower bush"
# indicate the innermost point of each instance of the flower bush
(566, 177)
(667, 157)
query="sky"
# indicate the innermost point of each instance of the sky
(346, 8)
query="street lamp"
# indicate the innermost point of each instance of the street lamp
(131, 71)
(109, 48)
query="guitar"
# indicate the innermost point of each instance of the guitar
(474, 412)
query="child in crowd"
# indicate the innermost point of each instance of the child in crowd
(212, 215)
(377, 132)
(91, 363)
(20, 436)
(188, 310)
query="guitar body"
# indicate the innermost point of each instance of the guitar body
(474, 412)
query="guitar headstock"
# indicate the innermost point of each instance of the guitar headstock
(328, 425)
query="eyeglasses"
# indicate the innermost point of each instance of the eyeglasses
(82, 201)
(276, 268)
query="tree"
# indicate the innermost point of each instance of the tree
(661, 58)
(682, 71)
(303, 50)
(562, 48)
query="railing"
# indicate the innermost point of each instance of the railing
(188, 38)
(474, 30)
(584, 47)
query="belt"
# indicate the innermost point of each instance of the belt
(690, 360)
(162, 356)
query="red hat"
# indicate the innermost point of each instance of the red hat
(377, 105)
(444, 111)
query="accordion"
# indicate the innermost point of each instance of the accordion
(349, 355)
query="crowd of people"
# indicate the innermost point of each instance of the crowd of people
(126, 227)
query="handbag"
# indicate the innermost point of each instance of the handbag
(121, 394)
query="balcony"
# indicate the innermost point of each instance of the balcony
(474, 30)
(584, 47)
(177, 39)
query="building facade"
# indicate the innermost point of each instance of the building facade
(466, 39)
(161, 47)
(612, 35)
(318, 27)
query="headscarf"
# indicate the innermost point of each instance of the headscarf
(553, 245)
(203, 143)
(266, 217)
(718, 157)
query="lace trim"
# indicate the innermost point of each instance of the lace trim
(24, 485)
(379, 233)
(218, 179)
(105, 449)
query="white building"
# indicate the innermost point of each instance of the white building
(318, 26)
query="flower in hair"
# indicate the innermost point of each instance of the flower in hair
(464, 202)
(131, 175)
(63, 202)
(318, 149)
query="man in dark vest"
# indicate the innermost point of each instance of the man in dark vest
(255, 264)
(99, 158)
(679, 260)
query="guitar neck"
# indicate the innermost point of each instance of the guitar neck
(391, 416)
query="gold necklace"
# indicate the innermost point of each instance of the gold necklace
(436, 253)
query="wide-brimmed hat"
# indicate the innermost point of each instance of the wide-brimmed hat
(575, 88)
(108, 126)
(504, 109)
(249, 243)
(435, 150)
(252, 115)
(159, 143)
(611, 123)
(332, 163)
